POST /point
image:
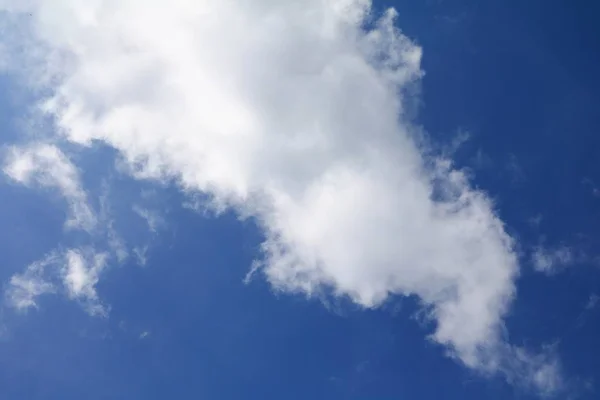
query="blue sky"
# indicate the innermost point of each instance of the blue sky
(327, 200)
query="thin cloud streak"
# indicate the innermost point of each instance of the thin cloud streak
(45, 165)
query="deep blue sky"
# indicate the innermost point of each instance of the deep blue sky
(521, 77)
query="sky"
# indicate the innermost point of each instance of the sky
(331, 199)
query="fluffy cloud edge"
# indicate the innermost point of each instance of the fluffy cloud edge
(388, 223)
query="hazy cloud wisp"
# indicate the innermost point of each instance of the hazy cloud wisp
(47, 166)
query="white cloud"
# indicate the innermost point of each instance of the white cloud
(24, 289)
(551, 260)
(81, 274)
(292, 113)
(141, 255)
(47, 166)
(152, 218)
(75, 271)
(115, 242)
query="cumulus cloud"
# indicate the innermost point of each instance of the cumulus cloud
(293, 113)
(47, 166)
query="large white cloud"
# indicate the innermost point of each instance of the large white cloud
(291, 112)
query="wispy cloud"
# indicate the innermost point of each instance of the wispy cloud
(592, 186)
(515, 170)
(593, 301)
(539, 371)
(114, 241)
(460, 138)
(74, 272)
(141, 255)
(47, 166)
(24, 289)
(152, 218)
(552, 260)
(80, 274)
(294, 114)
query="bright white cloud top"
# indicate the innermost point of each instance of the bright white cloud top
(293, 113)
